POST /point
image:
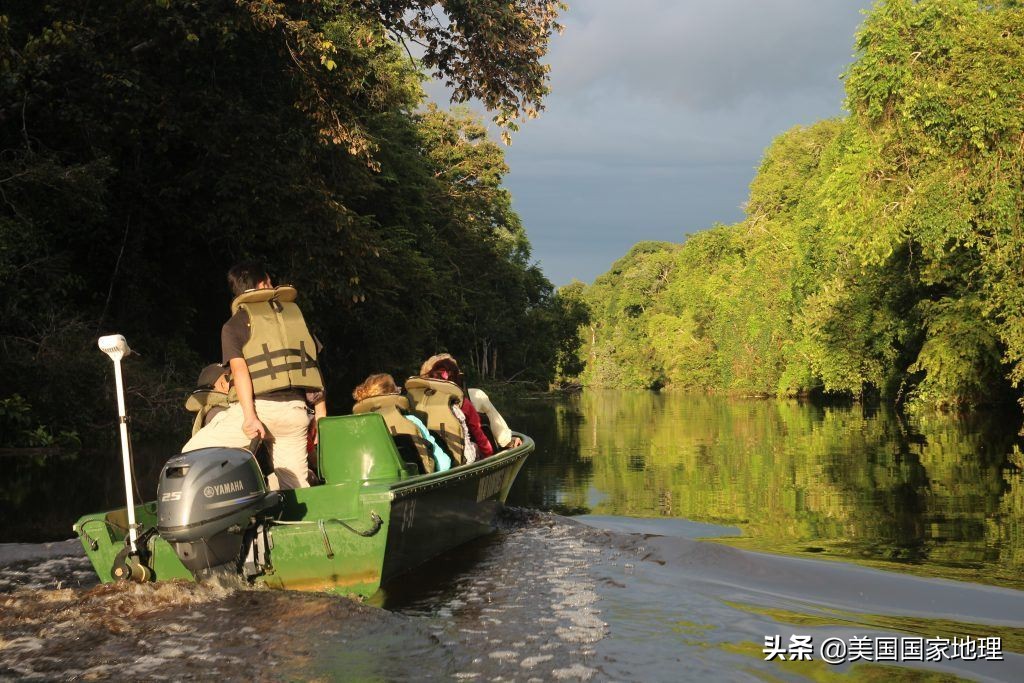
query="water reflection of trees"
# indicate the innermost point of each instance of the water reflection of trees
(554, 477)
(42, 496)
(846, 480)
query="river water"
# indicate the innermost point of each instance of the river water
(840, 523)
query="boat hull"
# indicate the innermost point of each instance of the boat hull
(354, 532)
(430, 517)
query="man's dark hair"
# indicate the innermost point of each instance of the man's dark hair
(243, 276)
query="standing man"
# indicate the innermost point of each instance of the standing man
(274, 374)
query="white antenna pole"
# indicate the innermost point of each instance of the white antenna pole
(116, 347)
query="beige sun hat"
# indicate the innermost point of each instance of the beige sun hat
(429, 363)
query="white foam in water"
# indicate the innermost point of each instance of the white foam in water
(503, 655)
(528, 606)
(22, 645)
(531, 662)
(98, 671)
(579, 635)
(28, 552)
(576, 671)
(42, 571)
(537, 595)
(146, 663)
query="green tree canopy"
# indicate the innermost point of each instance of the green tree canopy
(880, 253)
(149, 144)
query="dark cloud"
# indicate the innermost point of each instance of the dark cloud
(659, 113)
(582, 218)
(703, 55)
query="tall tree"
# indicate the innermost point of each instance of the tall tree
(881, 253)
(148, 144)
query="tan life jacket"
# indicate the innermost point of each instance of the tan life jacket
(201, 402)
(435, 398)
(280, 353)
(393, 408)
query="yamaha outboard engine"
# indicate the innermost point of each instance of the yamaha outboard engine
(206, 502)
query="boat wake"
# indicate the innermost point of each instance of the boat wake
(45, 565)
(545, 598)
(175, 630)
(522, 603)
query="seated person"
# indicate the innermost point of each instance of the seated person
(383, 384)
(444, 366)
(210, 397)
(503, 436)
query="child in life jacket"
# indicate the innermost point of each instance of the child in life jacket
(383, 384)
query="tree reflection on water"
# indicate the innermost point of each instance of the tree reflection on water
(939, 495)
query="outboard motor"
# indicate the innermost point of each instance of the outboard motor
(206, 502)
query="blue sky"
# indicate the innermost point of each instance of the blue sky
(659, 113)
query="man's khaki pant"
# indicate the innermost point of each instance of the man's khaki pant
(287, 425)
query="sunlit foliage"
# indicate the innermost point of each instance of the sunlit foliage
(880, 253)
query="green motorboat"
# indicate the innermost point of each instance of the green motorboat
(374, 517)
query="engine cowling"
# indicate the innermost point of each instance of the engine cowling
(206, 500)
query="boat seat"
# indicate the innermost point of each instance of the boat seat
(358, 448)
(435, 398)
(411, 445)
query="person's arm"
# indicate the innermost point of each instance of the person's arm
(319, 411)
(233, 337)
(483, 444)
(251, 424)
(499, 428)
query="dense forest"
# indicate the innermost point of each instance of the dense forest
(881, 252)
(147, 145)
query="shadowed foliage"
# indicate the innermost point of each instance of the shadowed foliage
(149, 144)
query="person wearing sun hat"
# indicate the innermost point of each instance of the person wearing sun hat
(444, 366)
(210, 397)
